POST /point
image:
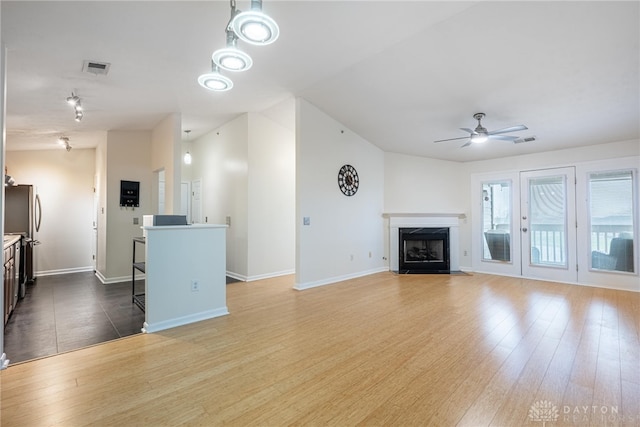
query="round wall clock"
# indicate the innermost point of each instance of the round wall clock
(348, 180)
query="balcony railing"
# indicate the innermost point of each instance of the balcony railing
(549, 241)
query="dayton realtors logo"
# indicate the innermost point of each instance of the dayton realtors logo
(544, 411)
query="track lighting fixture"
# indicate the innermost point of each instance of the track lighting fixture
(64, 141)
(214, 80)
(231, 58)
(74, 101)
(254, 26)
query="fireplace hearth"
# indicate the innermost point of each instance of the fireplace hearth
(424, 250)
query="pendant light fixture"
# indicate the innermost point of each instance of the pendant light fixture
(187, 156)
(214, 80)
(255, 26)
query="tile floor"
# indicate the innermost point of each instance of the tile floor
(69, 311)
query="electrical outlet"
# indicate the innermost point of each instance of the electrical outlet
(369, 254)
(465, 253)
(136, 221)
(351, 257)
(195, 286)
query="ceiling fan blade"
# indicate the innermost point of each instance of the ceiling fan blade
(452, 139)
(509, 129)
(466, 145)
(504, 137)
(471, 132)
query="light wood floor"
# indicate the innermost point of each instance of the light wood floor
(440, 350)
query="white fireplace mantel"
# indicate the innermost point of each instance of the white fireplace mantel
(416, 220)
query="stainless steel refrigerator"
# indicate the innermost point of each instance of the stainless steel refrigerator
(23, 215)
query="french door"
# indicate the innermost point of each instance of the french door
(548, 224)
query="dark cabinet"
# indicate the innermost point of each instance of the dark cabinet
(11, 262)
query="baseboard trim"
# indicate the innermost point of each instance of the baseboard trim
(120, 279)
(332, 280)
(64, 271)
(4, 362)
(236, 276)
(592, 285)
(270, 275)
(184, 320)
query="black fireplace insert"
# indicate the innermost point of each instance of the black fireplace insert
(424, 250)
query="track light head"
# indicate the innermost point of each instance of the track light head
(231, 58)
(64, 141)
(73, 100)
(255, 27)
(214, 80)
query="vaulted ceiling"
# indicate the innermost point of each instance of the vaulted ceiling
(400, 74)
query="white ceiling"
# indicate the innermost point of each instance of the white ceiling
(400, 74)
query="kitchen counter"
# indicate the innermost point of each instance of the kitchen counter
(185, 274)
(10, 239)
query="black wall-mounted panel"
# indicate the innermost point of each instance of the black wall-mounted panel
(130, 193)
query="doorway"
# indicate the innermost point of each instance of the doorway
(548, 224)
(526, 222)
(196, 201)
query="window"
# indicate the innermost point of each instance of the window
(496, 220)
(611, 204)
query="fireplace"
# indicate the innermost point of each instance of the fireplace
(423, 250)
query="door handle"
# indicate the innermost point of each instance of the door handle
(38, 216)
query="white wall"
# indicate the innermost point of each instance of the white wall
(558, 158)
(247, 168)
(271, 191)
(422, 185)
(165, 155)
(220, 160)
(64, 181)
(343, 230)
(127, 158)
(196, 253)
(100, 217)
(3, 361)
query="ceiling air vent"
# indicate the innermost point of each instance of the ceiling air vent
(525, 139)
(95, 67)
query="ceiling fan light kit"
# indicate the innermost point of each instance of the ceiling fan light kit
(480, 133)
(253, 27)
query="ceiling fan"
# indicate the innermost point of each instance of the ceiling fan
(480, 133)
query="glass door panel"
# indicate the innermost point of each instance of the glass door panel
(496, 221)
(548, 224)
(611, 216)
(548, 221)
